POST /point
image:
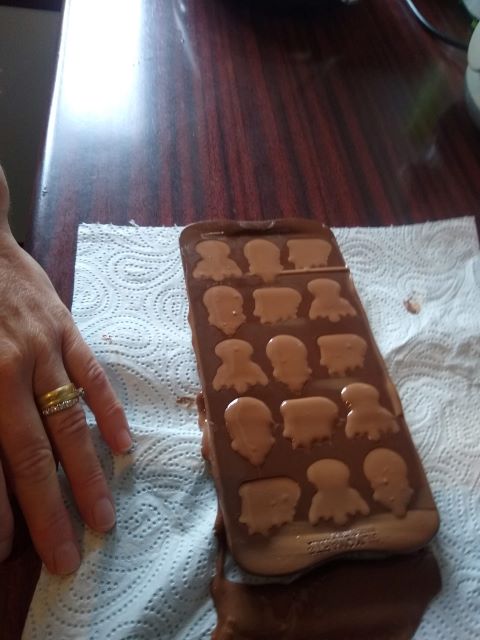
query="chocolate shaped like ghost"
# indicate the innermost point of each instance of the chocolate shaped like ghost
(328, 303)
(264, 258)
(268, 503)
(308, 253)
(342, 352)
(288, 356)
(237, 370)
(225, 308)
(308, 420)
(215, 263)
(249, 424)
(274, 304)
(335, 499)
(387, 473)
(366, 417)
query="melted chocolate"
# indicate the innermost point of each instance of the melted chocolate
(378, 599)
(315, 347)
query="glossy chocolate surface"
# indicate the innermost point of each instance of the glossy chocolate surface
(381, 599)
(331, 467)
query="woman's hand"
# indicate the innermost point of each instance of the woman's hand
(40, 350)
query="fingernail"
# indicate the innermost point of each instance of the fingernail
(66, 558)
(124, 441)
(104, 514)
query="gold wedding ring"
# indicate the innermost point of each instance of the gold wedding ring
(59, 399)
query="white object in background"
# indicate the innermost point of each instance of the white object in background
(473, 6)
(472, 77)
(149, 578)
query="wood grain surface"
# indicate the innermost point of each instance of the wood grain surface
(170, 111)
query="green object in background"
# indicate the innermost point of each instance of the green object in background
(430, 97)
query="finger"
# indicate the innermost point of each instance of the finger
(28, 460)
(85, 371)
(73, 444)
(6, 520)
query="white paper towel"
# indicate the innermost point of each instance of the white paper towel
(150, 577)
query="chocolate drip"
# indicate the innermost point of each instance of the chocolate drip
(378, 599)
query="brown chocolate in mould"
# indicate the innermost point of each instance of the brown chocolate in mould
(268, 503)
(263, 258)
(215, 263)
(308, 420)
(366, 416)
(249, 423)
(328, 303)
(232, 368)
(237, 369)
(387, 473)
(225, 308)
(288, 356)
(378, 599)
(335, 499)
(308, 253)
(274, 304)
(342, 352)
(203, 425)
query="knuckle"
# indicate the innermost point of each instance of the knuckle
(72, 338)
(94, 373)
(70, 424)
(11, 358)
(53, 520)
(113, 411)
(34, 465)
(45, 341)
(92, 479)
(62, 315)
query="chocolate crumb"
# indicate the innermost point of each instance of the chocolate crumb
(412, 305)
(186, 401)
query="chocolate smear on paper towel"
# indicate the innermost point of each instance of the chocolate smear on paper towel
(349, 599)
(413, 304)
(186, 401)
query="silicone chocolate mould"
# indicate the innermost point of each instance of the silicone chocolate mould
(302, 425)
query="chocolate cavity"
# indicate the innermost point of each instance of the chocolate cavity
(288, 356)
(249, 423)
(366, 417)
(264, 259)
(274, 304)
(215, 263)
(225, 308)
(342, 353)
(308, 420)
(328, 303)
(268, 503)
(387, 473)
(237, 371)
(334, 499)
(309, 253)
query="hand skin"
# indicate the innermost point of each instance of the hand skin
(40, 350)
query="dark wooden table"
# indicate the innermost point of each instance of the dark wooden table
(170, 111)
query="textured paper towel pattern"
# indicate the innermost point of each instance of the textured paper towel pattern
(150, 577)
